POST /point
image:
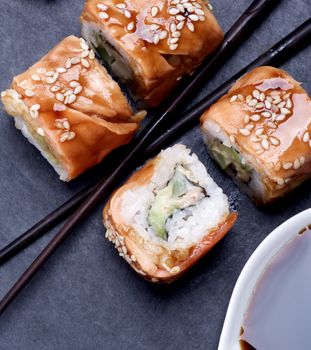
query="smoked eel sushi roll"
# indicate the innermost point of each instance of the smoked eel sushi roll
(151, 44)
(167, 216)
(260, 133)
(68, 107)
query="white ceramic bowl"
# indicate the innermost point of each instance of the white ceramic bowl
(252, 271)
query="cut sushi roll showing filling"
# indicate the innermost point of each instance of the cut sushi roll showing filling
(68, 107)
(168, 215)
(151, 45)
(259, 133)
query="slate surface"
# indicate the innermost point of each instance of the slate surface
(86, 297)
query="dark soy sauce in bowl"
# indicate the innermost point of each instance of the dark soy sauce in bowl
(279, 314)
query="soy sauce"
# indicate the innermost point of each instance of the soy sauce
(279, 313)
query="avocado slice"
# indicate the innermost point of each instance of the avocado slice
(227, 158)
(178, 194)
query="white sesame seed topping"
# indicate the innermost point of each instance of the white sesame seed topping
(154, 11)
(127, 14)
(60, 97)
(287, 166)
(41, 132)
(265, 144)
(61, 70)
(233, 98)
(92, 55)
(75, 60)
(130, 26)
(302, 160)
(173, 11)
(35, 77)
(78, 89)
(103, 15)
(102, 7)
(306, 137)
(85, 63)
(255, 117)
(296, 164)
(173, 47)
(29, 93)
(274, 141)
(245, 132)
(190, 26)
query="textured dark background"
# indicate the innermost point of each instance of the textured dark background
(86, 297)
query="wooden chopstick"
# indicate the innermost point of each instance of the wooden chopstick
(241, 29)
(281, 51)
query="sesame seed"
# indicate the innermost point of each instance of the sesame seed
(176, 35)
(68, 63)
(34, 114)
(154, 11)
(71, 99)
(256, 94)
(262, 97)
(173, 41)
(267, 104)
(41, 132)
(74, 84)
(306, 137)
(35, 77)
(266, 114)
(102, 7)
(50, 80)
(78, 89)
(92, 55)
(173, 11)
(180, 18)
(190, 27)
(233, 98)
(280, 181)
(156, 39)
(61, 70)
(154, 26)
(35, 107)
(302, 160)
(274, 141)
(75, 60)
(130, 26)
(289, 103)
(232, 139)
(85, 63)
(287, 166)
(103, 15)
(194, 18)
(245, 132)
(68, 92)
(163, 34)
(29, 93)
(271, 125)
(280, 118)
(85, 53)
(285, 111)
(252, 103)
(49, 74)
(240, 97)
(180, 25)
(23, 84)
(173, 27)
(255, 117)
(60, 97)
(180, 7)
(260, 105)
(297, 164)
(282, 104)
(265, 144)
(248, 99)
(246, 119)
(173, 47)
(259, 131)
(277, 166)
(127, 14)
(199, 12)
(55, 88)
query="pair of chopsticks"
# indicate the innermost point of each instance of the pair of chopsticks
(142, 148)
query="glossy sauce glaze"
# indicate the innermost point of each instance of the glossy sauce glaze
(279, 313)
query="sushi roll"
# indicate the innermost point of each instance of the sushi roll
(167, 216)
(260, 133)
(68, 107)
(151, 45)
